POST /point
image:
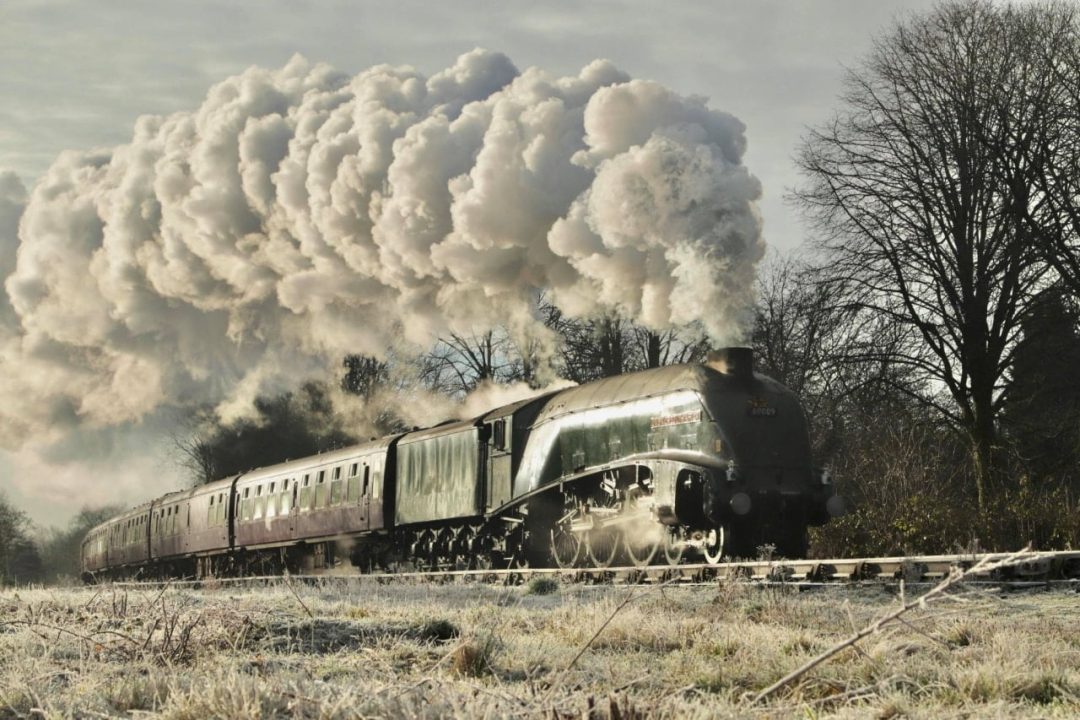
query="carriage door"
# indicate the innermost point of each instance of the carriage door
(499, 463)
(366, 488)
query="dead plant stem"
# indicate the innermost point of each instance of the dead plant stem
(938, 590)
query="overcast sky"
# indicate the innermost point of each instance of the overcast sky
(76, 75)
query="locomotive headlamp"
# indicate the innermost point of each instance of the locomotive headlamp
(826, 476)
(732, 473)
(740, 503)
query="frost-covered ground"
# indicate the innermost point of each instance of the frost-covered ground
(481, 651)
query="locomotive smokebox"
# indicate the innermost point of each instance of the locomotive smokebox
(738, 362)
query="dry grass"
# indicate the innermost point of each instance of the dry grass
(430, 651)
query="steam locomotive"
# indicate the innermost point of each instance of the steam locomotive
(653, 467)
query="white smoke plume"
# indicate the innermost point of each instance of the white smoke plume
(12, 202)
(299, 214)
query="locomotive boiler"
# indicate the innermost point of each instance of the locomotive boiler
(699, 460)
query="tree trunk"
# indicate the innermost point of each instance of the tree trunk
(983, 441)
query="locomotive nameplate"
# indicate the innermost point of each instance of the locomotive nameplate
(663, 421)
(759, 407)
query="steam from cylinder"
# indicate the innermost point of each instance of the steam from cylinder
(299, 214)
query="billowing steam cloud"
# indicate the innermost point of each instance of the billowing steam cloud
(299, 214)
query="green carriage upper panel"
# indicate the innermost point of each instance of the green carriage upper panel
(439, 473)
(711, 415)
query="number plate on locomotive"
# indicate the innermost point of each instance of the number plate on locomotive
(759, 407)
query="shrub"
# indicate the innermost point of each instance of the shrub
(542, 586)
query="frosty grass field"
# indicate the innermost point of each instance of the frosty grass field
(328, 651)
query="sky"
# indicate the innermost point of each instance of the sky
(78, 74)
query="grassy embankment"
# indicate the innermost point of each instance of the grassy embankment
(480, 651)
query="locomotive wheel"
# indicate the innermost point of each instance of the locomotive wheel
(424, 554)
(673, 548)
(463, 554)
(714, 545)
(446, 550)
(565, 547)
(642, 551)
(602, 546)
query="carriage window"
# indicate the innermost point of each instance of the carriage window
(367, 479)
(353, 469)
(500, 434)
(307, 480)
(271, 491)
(322, 476)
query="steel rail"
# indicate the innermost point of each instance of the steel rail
(1057, 566)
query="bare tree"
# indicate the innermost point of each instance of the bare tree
(795, 326)
(458, 362)
(61, 549)
(365, 375)
(808, 339)
(594, 348)
(651, 349)
(1042, 164)
(920, 233)
(285, 426)
(20, 561)
(197, 450)
(589, 349)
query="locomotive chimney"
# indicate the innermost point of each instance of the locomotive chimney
(738, 362)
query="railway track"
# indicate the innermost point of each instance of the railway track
(1059, 567)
